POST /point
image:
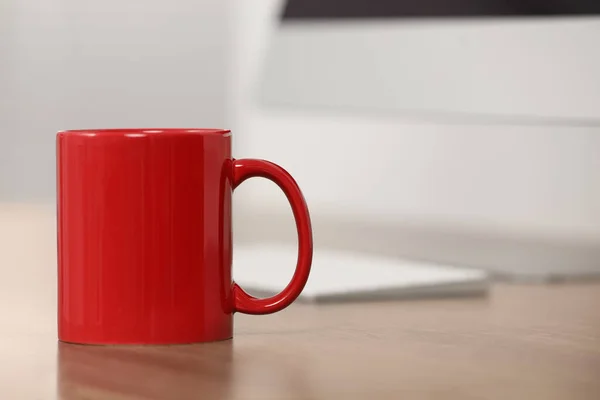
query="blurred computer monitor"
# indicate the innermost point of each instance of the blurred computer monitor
(510, 59)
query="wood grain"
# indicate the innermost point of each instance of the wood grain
(520, 342)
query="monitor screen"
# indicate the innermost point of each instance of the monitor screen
(335, 9)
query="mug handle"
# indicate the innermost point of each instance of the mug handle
(242, 301)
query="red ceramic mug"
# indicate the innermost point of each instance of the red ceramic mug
(144, 236)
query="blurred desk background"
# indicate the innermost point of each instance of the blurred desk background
(518, 196)
(521, 341)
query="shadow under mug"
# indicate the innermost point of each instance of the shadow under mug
(144, 236)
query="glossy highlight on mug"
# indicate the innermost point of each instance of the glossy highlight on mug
(143, 131)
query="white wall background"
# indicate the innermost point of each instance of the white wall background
(524, 180)
(84, 64)
(67, 63)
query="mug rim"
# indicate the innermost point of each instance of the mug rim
(146, 131)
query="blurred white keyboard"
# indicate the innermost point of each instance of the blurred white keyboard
(264, 270)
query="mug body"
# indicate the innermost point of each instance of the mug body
(144, 236)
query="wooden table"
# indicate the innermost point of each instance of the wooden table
(521, 342)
